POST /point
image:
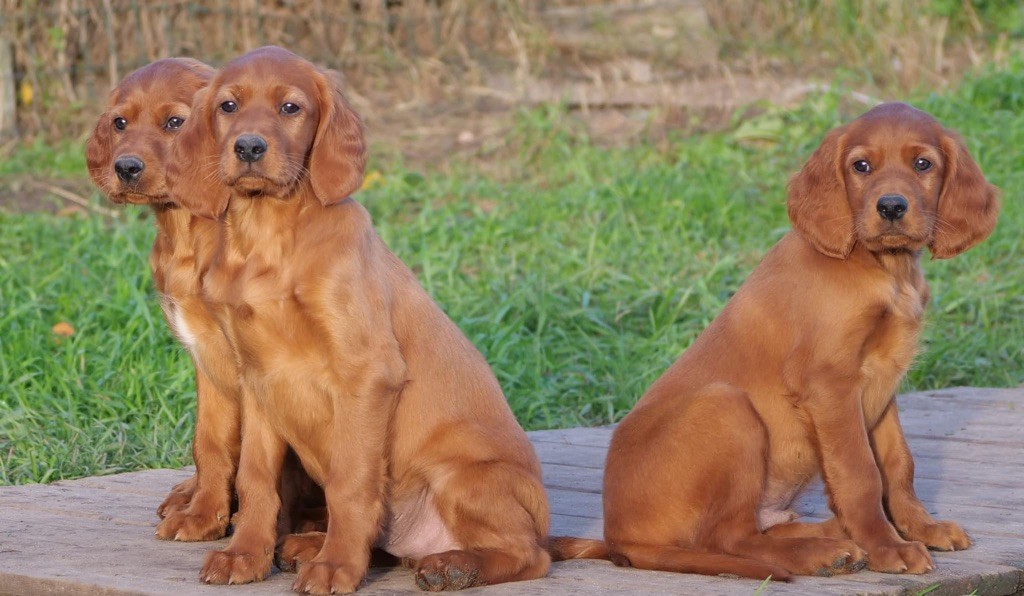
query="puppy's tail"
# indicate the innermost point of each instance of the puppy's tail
(563, 548)
(664, 558)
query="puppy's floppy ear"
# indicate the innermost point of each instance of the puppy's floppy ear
(818, 204)
(193, 170)
(338, 157)
(968, 204)
(99, 151)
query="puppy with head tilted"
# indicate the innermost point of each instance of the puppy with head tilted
(343, 355)
(127, 156)
(797, 377)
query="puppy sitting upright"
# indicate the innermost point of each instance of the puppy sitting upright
(344, 357)
(127, 157)
(797, 376)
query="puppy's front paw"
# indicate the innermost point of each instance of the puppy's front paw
(193, 524)
(943, 535)
(229, 567)
(322, 577)
(900, 557)
(297, 549)
(178, 498)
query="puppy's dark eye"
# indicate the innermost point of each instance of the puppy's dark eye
(922, 165)
(229, 106)
(120, 123)
(862, 166)
(174, 123)
(290, 108)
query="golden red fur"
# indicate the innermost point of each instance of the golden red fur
(797, 377)
(344, 357)
(127, 156)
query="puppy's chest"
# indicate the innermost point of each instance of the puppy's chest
(260, 283)
(174, 267)
(178, 313)
(265, 303)
(890, 349)
(174, 275)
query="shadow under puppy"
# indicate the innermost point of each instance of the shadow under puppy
(127, 155)
(797, 376)
(344, 357)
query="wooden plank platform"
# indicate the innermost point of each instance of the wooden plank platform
(95, 535)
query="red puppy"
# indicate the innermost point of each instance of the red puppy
(344, 357)
(127, 156)
(798, 374)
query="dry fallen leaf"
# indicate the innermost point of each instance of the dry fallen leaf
(26, 93)
(63, 328)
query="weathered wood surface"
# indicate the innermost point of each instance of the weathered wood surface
(95, 535)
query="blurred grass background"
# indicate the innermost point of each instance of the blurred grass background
(579, 258)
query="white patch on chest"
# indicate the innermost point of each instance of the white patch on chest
(180, 327)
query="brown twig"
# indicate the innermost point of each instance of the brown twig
(67, 195)
(108, 11)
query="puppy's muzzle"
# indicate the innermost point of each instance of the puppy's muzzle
(892, 207)
(129, 168)
(250, 148)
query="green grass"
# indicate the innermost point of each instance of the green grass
(581, 274)
(42, 160)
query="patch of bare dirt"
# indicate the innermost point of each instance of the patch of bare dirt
(66, 197)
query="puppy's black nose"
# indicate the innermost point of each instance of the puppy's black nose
(250, 148)
(892, 207)
(129, 168)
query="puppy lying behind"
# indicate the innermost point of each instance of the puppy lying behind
(127, 155)
(344, 357)
(797, 377)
